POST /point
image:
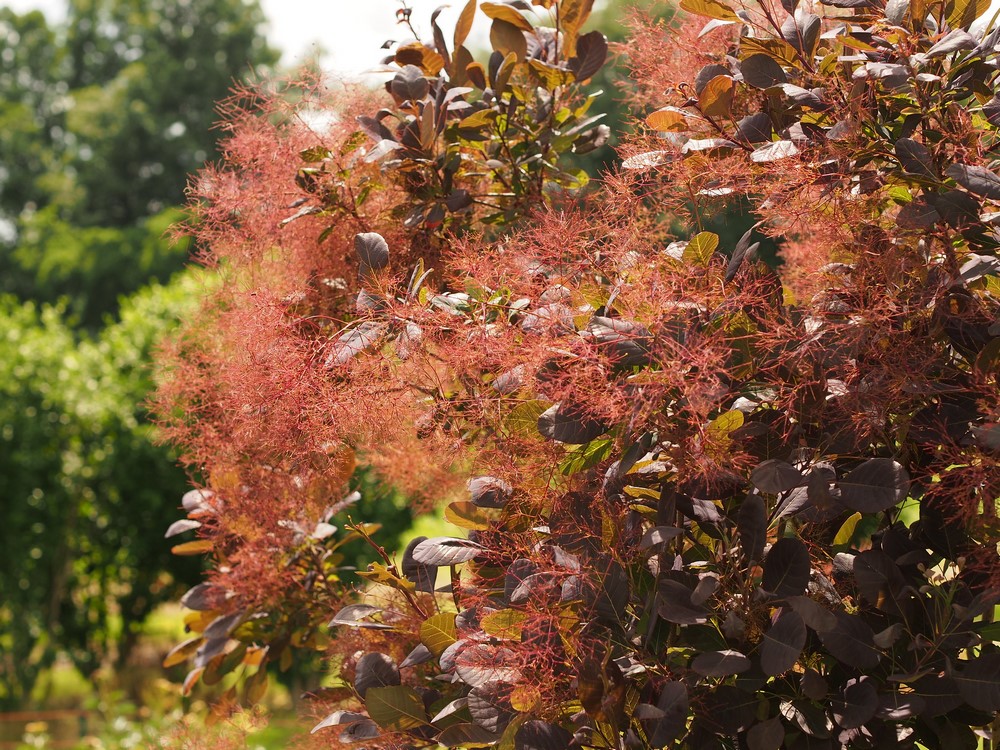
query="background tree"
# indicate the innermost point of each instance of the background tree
(108, 114)
(104, 115)
(83, 484)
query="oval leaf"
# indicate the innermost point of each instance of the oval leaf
(874, 486)
(720, 663)
(489, 492)
(766, 735)
(397, 708)
(774, 152)
(438, 632)
(851, 642)
(776, 476)
(858, 705)
(978, 180)
(566, 424)
(762, 72)
(422, 576)
(783, 643)
(786, 568)
(444, 550)
(375, 670)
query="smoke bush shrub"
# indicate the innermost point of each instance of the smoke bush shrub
(698, 501)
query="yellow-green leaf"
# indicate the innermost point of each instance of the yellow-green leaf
(465, 515)
(961, 13)
(523, 418)
(722, 425)
(180, 653)
(197, 547)
(504, 624)
(379, 573)
(525, 698)
(438, 632)
(710, 9)
(478, 119)
(777, 49)
(846, 530)
(550, 75)
(633, 491)
(700, 248)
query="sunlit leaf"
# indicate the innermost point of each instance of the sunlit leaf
(717, 97)
(699, 251)
(438, 632)
(710, 9)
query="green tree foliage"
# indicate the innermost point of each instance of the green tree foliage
(114, 108)
(55, 259)
(83, 484)
(104, 116)
(142, 76)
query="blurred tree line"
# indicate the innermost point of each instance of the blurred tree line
(102, 117)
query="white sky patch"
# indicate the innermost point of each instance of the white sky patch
(346, 34)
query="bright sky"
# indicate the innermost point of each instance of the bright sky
(350, 32)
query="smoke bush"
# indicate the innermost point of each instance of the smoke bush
(700, 500)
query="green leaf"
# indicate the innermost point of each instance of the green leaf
(722, 425)
(587, 456)
(379, 573)
(846, 532)
(438, 632)
(523, 418)
(314, 154)
(397, 708)
(699, 251)
(989, 632)
(961, 13)
(549, 75)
